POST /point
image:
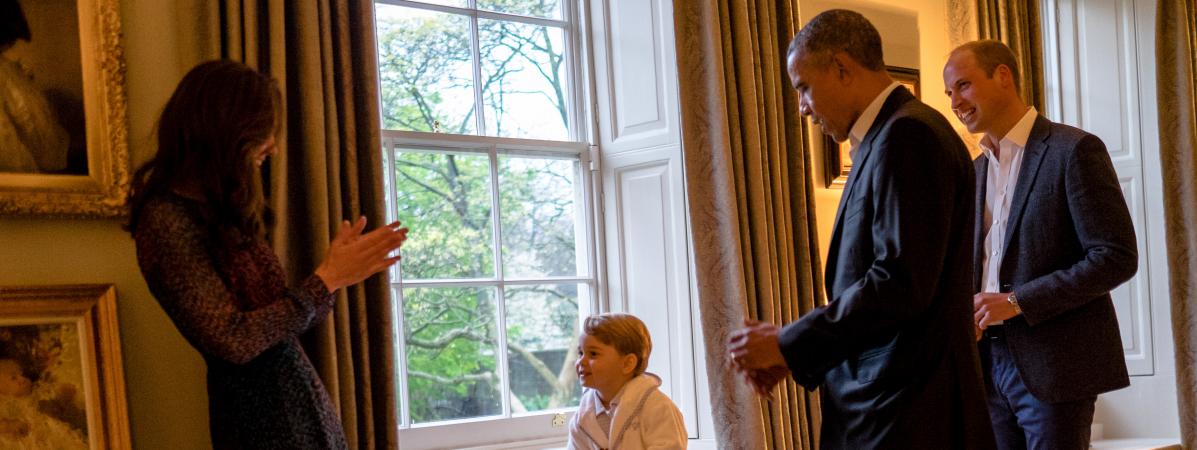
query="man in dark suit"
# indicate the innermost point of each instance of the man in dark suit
(1053, 237)
(893, 351)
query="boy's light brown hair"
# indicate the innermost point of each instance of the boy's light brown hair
(625, 332)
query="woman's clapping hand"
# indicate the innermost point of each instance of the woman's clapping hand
(353, 256)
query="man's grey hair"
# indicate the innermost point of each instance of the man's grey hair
(838, 30)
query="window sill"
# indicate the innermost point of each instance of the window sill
(519, 432)
(555, 443)
(560, 444)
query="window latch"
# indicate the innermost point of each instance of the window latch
(594, 157)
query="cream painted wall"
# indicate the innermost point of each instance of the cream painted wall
(164, 376)
(915, 35)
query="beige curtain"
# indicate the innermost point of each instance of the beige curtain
(1016, 23)
(751, 202)
(328, 168)
(1176, 65)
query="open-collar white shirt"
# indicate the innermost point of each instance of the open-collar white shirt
(605, 414)
(866, 119)
(1000, 181)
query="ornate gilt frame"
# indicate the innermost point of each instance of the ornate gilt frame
(101, 193)
(93, 309)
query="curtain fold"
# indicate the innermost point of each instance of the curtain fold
(1176, 87)
(1016, 23)
(751, 203)
(328, 168)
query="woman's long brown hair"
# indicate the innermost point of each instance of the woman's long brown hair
(220, 112)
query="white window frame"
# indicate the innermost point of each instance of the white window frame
(570, 25)
(507, 426)
(539, 426)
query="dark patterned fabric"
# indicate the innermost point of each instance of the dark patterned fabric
(231, 302)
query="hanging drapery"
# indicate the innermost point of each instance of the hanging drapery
(751, 203)
(1176, 87)
(1016, 23)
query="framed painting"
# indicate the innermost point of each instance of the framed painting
(837, 161)
(63, 126)
(61, 380)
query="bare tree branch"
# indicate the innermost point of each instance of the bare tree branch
(541, 369)
(444, 340)
(427, 187)
(485, 376)
(537, 365)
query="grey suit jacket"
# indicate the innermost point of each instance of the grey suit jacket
(893, 352)
(1069, 242)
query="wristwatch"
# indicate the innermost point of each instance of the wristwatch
(1014, 302)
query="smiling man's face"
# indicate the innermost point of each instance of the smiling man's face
(975, 95)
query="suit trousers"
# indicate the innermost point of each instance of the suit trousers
(1023, 422)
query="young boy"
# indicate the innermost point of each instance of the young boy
(621, 407)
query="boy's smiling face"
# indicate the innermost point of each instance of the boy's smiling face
(601, 367)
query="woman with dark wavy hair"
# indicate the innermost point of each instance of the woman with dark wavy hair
(198, 220)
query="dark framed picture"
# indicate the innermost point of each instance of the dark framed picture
(836, 160)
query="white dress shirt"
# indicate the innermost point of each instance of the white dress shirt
(866, 119)
(1000, 182)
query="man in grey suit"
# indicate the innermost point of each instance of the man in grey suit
(1053, 237)
(893, 352)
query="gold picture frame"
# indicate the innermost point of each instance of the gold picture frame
(837, 163)
(63, 343)
(97, 189)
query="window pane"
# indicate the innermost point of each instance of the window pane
(540, 216)
(426, 71)
(542, 338)
(549, 9)
(524, 84)
(451, 353)
(444, 199)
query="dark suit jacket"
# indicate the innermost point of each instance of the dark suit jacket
(1069, 241)
(893, 351)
